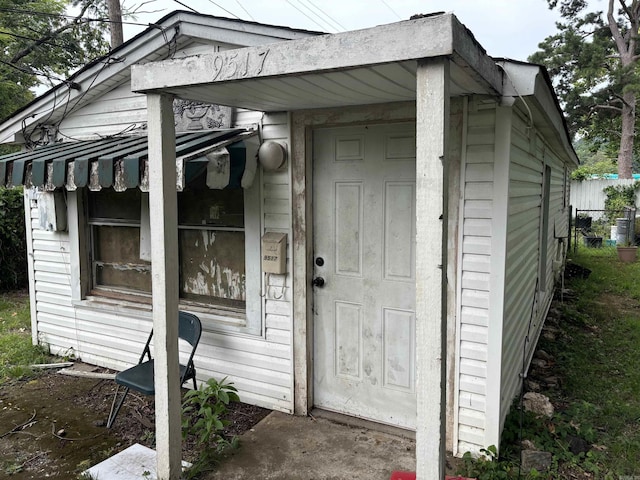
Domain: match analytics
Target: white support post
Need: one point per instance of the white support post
(432, 123)
(163, 208)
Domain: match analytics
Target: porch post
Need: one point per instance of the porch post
(163, 209)
(432, 123)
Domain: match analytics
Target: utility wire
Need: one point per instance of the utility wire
(331, 27)
(336, 22)
(293, 5)
(389, 7)
(186, 6)
(222, 8)
(56, 15)
(245, 10)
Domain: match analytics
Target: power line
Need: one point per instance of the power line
(245, 10)
(186, 6)
(331, 27)
(389, 7)
(60, 15)
(290, 3)
(222, 8)
(326, 15)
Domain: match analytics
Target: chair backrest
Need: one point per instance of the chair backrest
(189, 328)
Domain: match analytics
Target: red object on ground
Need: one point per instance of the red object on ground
(412, 476)
(403, 476)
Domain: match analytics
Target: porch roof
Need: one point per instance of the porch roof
(370, 66)
(118, 162)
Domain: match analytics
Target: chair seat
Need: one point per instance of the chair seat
(140, 377)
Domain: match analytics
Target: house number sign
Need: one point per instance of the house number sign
(234, 65)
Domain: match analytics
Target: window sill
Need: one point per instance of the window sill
(127, 305)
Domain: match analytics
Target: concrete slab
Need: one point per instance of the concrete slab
(137, 461)
(289, 447)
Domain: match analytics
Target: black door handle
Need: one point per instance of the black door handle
(318, 282)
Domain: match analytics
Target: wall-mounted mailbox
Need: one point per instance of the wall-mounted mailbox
(274, 252)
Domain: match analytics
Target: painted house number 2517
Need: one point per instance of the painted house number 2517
(234, 65)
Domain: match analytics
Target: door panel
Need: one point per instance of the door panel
(364, 230)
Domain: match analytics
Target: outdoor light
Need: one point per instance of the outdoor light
(272, 155)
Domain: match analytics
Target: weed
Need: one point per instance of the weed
(202, 416)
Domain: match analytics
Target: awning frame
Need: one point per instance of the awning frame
(121, 162)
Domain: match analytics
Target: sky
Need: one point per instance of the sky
(505, 28)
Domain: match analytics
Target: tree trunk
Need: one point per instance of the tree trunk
(115, 23)
(625, 155)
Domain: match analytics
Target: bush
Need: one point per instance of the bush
(13, 251)
(618, 197)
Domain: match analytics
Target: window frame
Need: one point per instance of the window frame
(214, 318)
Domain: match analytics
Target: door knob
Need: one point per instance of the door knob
(318, 282)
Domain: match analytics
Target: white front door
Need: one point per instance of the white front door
(364, 251)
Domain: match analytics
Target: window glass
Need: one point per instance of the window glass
(109, 204)
(211, 245)
(211, 208)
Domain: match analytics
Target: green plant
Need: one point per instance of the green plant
(597, 169)
(488, 466)
(618, 197)
(204, 408)
(203, 413)
(13, 251)
(16, 349)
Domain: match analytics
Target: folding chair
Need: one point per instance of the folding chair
(140, 377)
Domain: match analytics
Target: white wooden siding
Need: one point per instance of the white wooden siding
(119, 109)
(526, 301)
(113, 336)
(477, 210)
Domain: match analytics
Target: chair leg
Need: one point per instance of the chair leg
(195, 385)
(115, 406)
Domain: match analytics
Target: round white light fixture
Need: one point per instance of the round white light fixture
(272, 155)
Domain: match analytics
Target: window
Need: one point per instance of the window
(211, 247)
(116, 262)
(216, 266)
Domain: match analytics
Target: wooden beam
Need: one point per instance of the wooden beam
(163, 216)
(432, 124)
(396, 42)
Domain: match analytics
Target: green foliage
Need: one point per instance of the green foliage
(487, 466)
(596, 357)
(618, 197)
(40, 43)
(596, 84)
(16, 349)
(203, 413)
(13, 252)
(584, 172)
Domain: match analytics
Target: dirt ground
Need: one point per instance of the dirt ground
(53, 426)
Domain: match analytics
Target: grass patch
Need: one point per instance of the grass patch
(599, 356)
(16, 349)
(596, 353)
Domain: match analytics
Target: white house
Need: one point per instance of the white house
(417, 186)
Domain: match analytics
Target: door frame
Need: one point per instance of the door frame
(302, 125)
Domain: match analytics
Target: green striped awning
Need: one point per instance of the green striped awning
(119, 162)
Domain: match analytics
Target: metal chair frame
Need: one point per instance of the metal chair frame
(140, 377)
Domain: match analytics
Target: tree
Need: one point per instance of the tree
(593, 61)
(41, 43)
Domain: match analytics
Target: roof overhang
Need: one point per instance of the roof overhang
(374, 65)
(223, 158)
(530, 84)
(160, 41)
